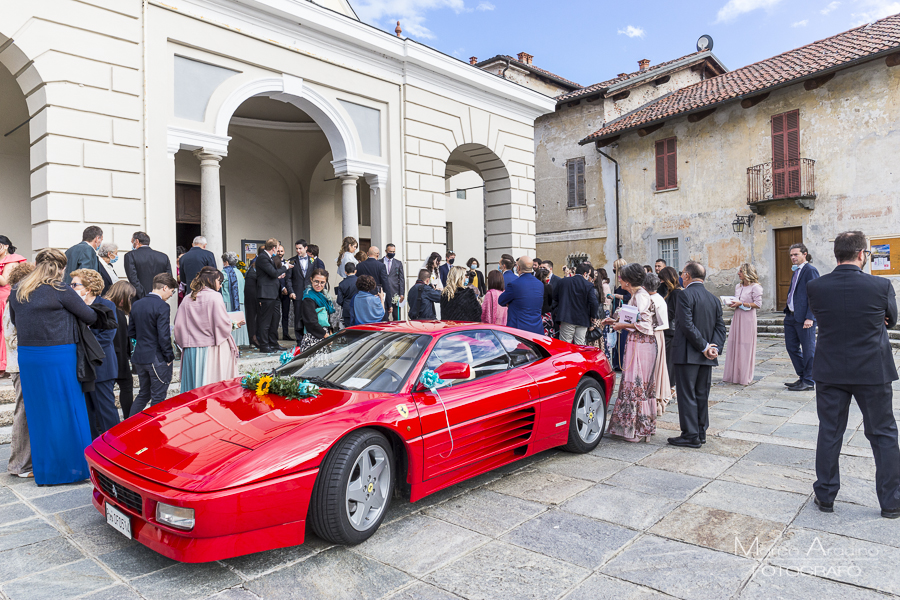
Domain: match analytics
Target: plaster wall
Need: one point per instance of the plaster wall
(15, 195)
(849, 127)
(647, 92)
(526, 78)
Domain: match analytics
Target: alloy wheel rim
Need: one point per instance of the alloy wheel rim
(589, 415)
(367, 489)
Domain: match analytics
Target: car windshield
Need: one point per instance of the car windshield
(353, 359)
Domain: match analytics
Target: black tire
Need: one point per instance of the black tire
(329, 512)
(576, 442)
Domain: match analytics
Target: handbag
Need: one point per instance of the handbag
(322, 314)
(593, 335)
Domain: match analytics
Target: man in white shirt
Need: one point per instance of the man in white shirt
(799, 321)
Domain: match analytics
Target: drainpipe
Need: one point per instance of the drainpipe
(618, 243)
(505, 69)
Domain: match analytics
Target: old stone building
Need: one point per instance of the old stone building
(737, 166)
(243, 121)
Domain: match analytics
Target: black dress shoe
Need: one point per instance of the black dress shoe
(287, 338)
(828, 507)
(891, 514)
(683, 442)
(803, 387)
(795, 383)
(703, 440)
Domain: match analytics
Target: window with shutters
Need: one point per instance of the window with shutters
(668, 251)
(786, 154)
(666, 164)
(575, 182)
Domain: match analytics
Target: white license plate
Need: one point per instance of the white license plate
(119, 520)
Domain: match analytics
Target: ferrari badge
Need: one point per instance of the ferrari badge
(404, 412)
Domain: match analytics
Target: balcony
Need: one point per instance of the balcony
(785, 180)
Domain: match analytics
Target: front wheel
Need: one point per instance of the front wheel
(353, 489)
(588, 419)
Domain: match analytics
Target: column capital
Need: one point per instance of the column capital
(206, 157)
(349, 178)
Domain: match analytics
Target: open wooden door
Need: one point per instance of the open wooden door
(783, 240)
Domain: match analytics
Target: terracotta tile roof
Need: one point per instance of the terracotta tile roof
(603, 85)
(861, 43)
(513, 60)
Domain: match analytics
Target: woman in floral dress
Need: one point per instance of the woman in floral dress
(634, 414)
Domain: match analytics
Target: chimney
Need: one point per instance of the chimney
(526, 58)
(643, 64)
(473, 60)
(398, 30)
(621, 74)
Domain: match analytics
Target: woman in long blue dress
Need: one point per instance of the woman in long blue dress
(44, 311)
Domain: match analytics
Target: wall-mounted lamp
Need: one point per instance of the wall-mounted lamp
(739, 222)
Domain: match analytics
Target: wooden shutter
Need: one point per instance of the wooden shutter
(671, 164)
(661, 165)
(571, 182)
(786, 154)
(579, 182)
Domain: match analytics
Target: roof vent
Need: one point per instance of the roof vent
(473, 60)
(526, 58)
(643, 64)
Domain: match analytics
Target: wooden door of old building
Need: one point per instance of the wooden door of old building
(783, 240)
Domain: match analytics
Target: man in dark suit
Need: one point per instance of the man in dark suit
(84, 254)
(422, 298)
(524, 299)
(554, 279)
(346, 291)
(152, 359)
(799, 321)
(444, 269)
(374, 268)
(699, 333)
(854, 311)
(268, 286)
(286, 298)
(195, 259)
(144, 263)
(575, 304)
(395, 283)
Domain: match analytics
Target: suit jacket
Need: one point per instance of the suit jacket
(268, 287)
(346, 290)
(142, 265)
(395, 281)
(574, 301)
(107, 280)
(149, 325)
(509, 277)
(109, 369)
(443, 271)
(554, 281)
(698, 322)
(297, 280)
(374, 268)
(853, 346)
(422, 308)
(801, 300)
(193, 260)
(524, 298)
(81, 256)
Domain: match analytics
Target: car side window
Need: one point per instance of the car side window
(479, 349)
(522, 352)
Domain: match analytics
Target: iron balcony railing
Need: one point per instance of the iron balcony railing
(794, 178)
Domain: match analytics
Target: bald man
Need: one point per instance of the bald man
(374, 268)
(524, 298)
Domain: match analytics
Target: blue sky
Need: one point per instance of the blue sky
(588, 41)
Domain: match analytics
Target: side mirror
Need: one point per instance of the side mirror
(454, 370)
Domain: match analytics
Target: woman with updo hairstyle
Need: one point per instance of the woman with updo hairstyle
(367, 307)
(740, 357)
(315, 311)
(203, 330)
(634, 415)
(8, 261)
(45, 312)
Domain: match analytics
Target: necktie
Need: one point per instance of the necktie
(790, 297)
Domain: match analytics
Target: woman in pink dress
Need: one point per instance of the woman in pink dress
(491, 311)
(740, 355)
(8, 261)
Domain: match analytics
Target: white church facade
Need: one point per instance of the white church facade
(247, 119)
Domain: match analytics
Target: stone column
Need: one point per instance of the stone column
(210, 202)
(349, 210)
(378, 209)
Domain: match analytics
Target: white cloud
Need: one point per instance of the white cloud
(735, 8)
(410, 13)
(632, 31)
(485, 6)
(830, 8)
(800, 23)
(875, 9)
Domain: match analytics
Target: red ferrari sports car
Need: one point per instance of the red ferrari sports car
(222, 471)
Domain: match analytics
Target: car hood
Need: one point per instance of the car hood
(194, 435)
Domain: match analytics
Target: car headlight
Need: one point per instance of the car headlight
(175, 516)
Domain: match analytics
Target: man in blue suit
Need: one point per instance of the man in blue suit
(799, 321)
(508, 268)
(153, 355)
(524, 298)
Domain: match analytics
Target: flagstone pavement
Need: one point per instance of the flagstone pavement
(734, 519)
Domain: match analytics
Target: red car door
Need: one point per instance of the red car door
(492, 413)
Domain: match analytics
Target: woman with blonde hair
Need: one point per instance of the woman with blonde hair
(347, 255)
(45, 313)
(459, 302)
(203, 329)
(740, 357)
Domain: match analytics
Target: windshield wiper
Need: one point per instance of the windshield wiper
(322, 382)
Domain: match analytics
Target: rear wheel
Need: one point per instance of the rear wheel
(588, 420)
(353, 489)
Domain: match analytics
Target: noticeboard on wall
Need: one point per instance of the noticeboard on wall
(885, 256)
(250, 248)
